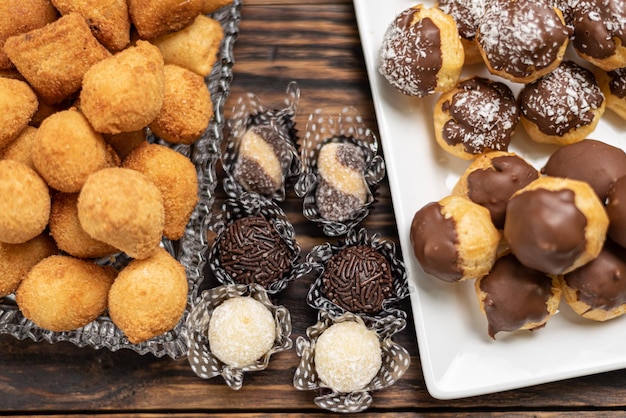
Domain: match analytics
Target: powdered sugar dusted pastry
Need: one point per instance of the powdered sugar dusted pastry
(562, 107)
(522, 40)
(421, 52)
(466, 14)
(475, 117)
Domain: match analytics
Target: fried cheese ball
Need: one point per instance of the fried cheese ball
(158, 17)
(68, 233)
(16, 260)
(175, 176)
(20, 149)
(122, 208)
(124, 142)
(149, 296)
(63, 293)
(109, 19)
(187, 107)
(124, 93)
(25, 203)
(21, 16)
(54, 58)
(194, 47)
(67, 150)
(209, 6)
(18, 104)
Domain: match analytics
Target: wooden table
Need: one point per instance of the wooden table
(317, 44)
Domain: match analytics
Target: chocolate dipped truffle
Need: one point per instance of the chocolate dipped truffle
(600, 32)
(590, 160)
(251, 251)
(563, 106)
(358, 279)
(477, 116)
(492, 178)
(515, 297)
(342, 189)
(613, 85)
(522, 40)
(421, 52)
(466, 14)
(454, 239)
(597, 290)
(555, 225)
(616, 211)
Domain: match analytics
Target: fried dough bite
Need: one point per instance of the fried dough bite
(54, 58)
(149, 296)
(209, 6)
(16, 260)
(124, 142)
(63, 293)
(123, 208)
(194, 47)
(187, 107)
(21, 16)
(175, 176)
(24, 203)
(67, 150)
(68, 233)
(153, 18)
(124, 93)
(20, 149)
(108, 19)
(18, 104)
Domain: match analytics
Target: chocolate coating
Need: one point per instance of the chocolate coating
(358, 279)
(493, 187)
(563, 100)
(521, 37)
(483, 116)
(616, 211)
(434, 240)
(601, 283)
(617, 85)
(466, 14)
(595, 162)
(251, 251)
(597, 26)
(333, 204)
(410, 55)
(515, 295)
(545, 229)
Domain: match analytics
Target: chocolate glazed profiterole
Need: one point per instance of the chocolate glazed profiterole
(613, 85)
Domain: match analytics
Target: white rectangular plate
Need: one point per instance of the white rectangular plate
(458, 357)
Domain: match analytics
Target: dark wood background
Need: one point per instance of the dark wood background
(317, 44)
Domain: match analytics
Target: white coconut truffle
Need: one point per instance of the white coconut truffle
(347, 356)
(241, 330)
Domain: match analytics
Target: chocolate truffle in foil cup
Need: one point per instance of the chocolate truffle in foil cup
(361, 275)
(255, 243)
(260, 153)
(346, 360)
(233, 340)
(340, 169)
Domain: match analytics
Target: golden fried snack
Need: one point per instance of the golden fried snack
(194, 47)
(68, 233)
(149, 296)
(124, 142)
(187, 108)
(54, 58)
(25, 203)
(63, 293)
(209, 6)
(123, 208)
(108, 19)
(16, 260)
(175, 176)
(158, 17)
(18, 104)
(21, 16)
(20, 148)
(124, 93)
(45, 109)
(67, 150)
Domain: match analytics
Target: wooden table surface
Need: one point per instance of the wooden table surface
(317, 44)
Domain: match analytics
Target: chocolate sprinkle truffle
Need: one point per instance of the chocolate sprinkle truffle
(251, 251)
(358, 279)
